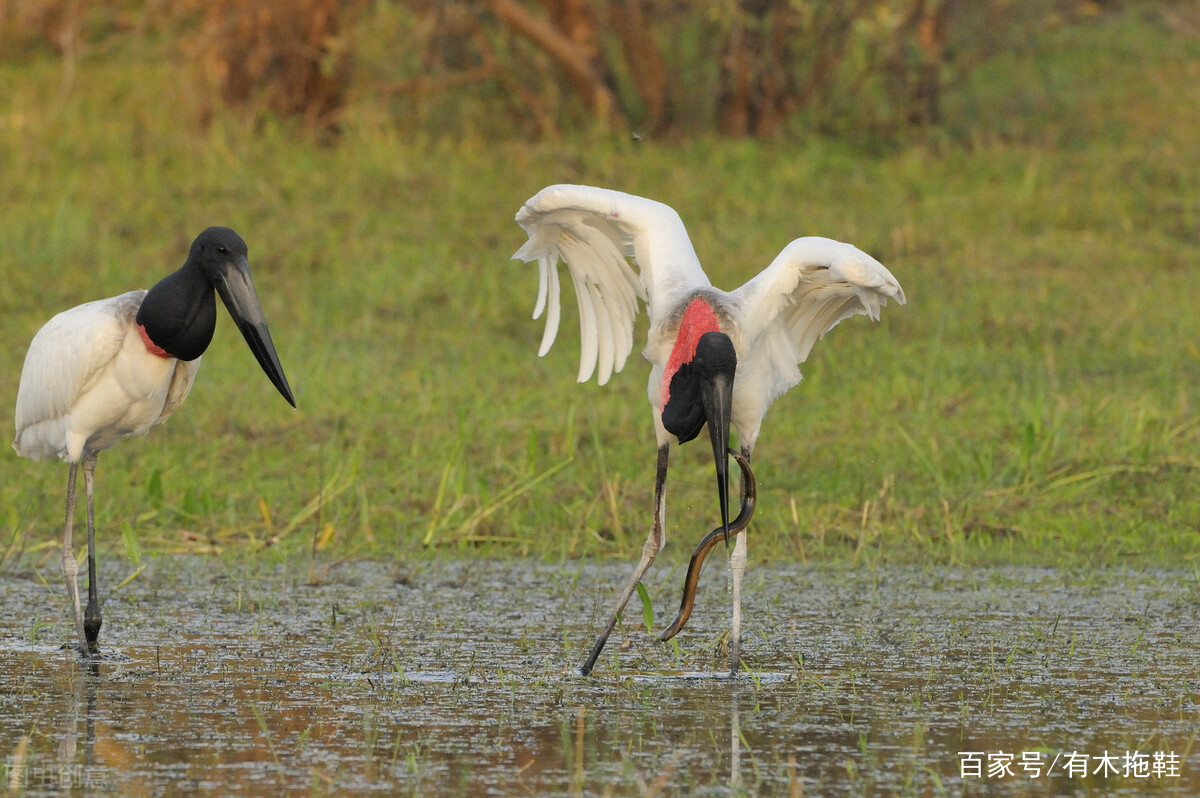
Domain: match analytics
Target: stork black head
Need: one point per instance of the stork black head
(701, 392)
(179, 313)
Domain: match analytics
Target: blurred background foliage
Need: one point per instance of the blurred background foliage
(873, 71)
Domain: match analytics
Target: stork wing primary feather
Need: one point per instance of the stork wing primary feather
(594, 231)
(812, 285)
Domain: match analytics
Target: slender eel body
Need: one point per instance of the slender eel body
(749, 496)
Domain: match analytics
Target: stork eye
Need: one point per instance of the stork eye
(222, 250)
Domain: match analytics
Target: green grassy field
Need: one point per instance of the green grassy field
(1034, 402)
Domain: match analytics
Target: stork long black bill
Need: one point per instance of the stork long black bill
(717, 396)
(702, 392)
(178, 315)
(236, 289)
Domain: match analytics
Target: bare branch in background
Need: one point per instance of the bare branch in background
(632, 24)
(568, 38)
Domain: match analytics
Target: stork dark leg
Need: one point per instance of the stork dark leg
(737, 569)
(70, 569)
(91, 616)
(650, 550)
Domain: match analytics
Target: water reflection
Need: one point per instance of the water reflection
(215, 684)
(735, 744)
(85, 687)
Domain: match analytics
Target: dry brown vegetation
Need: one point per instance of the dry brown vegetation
(664, 67)
(287, 56)
(540, 68)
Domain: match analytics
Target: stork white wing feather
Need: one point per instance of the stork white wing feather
(812, 285)
(593, 231)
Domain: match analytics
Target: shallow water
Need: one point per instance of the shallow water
(460, 678)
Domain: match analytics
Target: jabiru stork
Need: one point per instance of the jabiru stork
(699, 336)
(110, 369)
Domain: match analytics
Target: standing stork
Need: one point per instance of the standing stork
(113, 368)
(699, 335)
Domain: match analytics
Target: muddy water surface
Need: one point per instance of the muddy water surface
(460, 678)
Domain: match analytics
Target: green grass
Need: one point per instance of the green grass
(1034, 402)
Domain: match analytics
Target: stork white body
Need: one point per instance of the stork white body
(110, 388)
(106, 370)
(773, 320)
